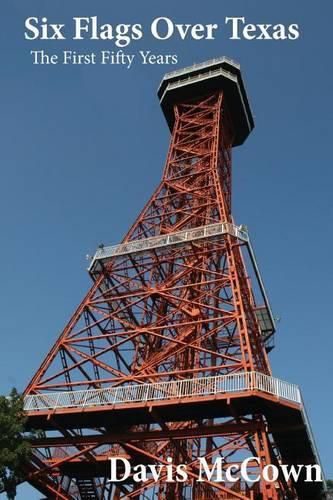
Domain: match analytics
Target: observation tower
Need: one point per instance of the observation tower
(166, 357)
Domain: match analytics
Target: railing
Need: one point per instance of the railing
(176, 238)
(180, 237)
(313, 442)
(202, 65)
(174, 389)
(201, 76)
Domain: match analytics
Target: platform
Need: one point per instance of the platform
(163, 391)
(200, 398)
(105, 254)
(204, 78)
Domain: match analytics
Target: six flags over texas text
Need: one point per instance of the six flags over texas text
(161, 28)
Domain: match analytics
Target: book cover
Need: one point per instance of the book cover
(166, 207)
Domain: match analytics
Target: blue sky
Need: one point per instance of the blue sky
(82, 148)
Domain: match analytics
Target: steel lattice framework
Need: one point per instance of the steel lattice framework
(173, 309)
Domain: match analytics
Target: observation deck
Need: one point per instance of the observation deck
(201, 79)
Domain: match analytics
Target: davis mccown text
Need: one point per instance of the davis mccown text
(217, 471)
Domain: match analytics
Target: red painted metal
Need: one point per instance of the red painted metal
(172, 313)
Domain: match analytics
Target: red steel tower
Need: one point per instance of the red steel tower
(165, 360)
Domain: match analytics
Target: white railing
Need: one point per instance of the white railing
(205, 75)
(174, 389)
(176, 238)
(203, 65)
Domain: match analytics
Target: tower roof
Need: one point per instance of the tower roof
(204, 78)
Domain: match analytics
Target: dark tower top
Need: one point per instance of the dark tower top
(205, 78)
